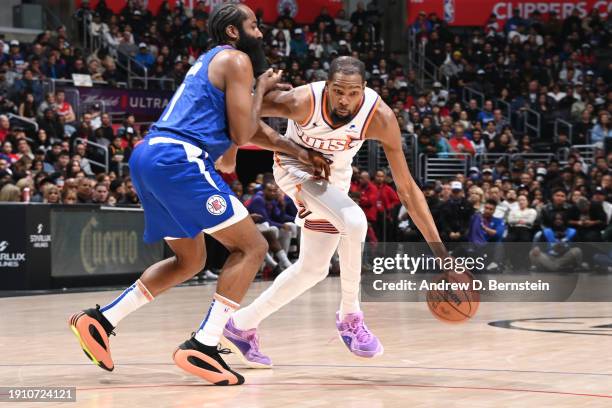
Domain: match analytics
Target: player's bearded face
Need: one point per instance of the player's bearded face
(253, 47)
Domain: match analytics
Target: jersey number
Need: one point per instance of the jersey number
(192, 71)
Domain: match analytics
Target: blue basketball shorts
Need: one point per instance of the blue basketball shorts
(180, 191)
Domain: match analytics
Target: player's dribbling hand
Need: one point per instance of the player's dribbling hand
(269, 80)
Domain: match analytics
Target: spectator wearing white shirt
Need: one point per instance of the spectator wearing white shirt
(509, 204)
(521, 221)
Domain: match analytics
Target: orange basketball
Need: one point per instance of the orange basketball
(454, 305)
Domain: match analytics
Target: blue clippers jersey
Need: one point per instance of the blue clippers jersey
(196, 112)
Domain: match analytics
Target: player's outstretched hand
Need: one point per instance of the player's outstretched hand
(319, 163)
(269, 80)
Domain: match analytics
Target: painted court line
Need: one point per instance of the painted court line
(241, 366)
(361, 385)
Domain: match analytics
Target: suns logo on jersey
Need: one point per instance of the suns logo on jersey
(332, 145)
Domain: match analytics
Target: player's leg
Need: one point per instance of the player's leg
(93, 326)
(199, 355)
(240, 334)
(348, 218)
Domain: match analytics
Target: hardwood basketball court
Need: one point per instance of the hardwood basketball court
(534, 355)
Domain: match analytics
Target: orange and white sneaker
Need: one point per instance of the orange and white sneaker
(92, 330)
(206, 362)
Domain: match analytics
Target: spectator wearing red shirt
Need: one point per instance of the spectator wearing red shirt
(368, 196)
(64, 108)
(387, 197)
(386, 203)
(460, 144)
(5, 127)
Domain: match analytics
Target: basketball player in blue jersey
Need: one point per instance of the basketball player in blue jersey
(173, 171)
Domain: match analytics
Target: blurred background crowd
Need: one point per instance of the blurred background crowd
(476, 109)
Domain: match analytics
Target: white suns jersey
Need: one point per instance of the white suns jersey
(341, 143)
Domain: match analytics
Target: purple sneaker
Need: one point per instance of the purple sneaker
(355, 334)
(244, 343)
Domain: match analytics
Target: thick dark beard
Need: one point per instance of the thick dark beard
(253, 47)
(340, 119)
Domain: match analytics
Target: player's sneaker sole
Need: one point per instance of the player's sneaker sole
(92, 339)
(364, 354)
(202, 365)
(225, 342)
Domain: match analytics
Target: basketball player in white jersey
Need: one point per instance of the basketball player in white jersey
(333, 117)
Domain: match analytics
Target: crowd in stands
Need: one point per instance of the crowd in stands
(560, 69)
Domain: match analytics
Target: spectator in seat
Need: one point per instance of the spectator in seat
(48, 103)
(51, 125)
(116, 153)
(54, 68)
(521, 221)
(486, 114)
(78, 67)
(27, 108)
(582, 129)
(558, 205)
(485, 227)
(62, 163)
(74, 168)
(144, 58)
(84, 190)
(455, 214)
(69, 197)
(129, 122)
(131, 197)
(64, 108)
(603, 128)
(266, 204)
(105, 134)
(7, 151)
(368, 197)
(599, 196)
(588, 219)
(480, 144)
(81, 152)
(51, 194)
(460, 144)
(24, 149)
(386, 206)
(510, 203)
(5, 127)
(100, 194)
(558, 255)
(10, 193)
(325, 18)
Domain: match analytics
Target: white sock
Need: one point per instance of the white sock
(282, 259)
(130, 300)
(316, 250)
(284, 239)
(270, 261)
(221, 309)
